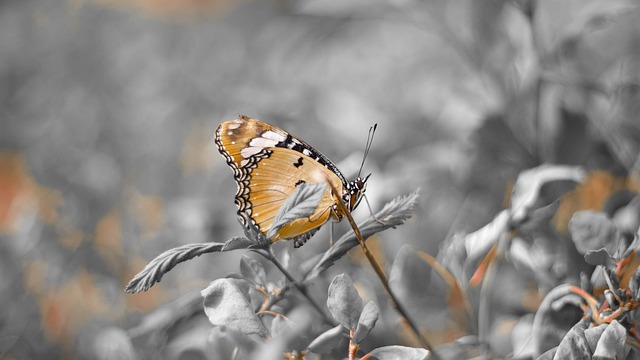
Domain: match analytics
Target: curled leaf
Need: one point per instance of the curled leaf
(227, 306)
(558, 312)
(529, 183)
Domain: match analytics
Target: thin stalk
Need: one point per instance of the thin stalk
(383, 278)
(269, 255)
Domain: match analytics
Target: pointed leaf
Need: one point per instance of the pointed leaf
(253, 270)
(302, 203)
(367, 321)
(163, 263)
(399, 353)
(394, 213)
(344, 302)
(226, 306)
(328, 340)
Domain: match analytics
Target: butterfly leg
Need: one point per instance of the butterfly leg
(371, 211)
(331, 234)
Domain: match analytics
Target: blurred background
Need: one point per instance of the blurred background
(108, 107)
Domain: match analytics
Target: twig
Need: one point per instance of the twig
(269, 255)
(383, 278)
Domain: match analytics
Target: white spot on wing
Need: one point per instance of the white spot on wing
(229, 133)
(233, 142)
(250, 151)
(263, 142)
(306, 152)
(273, 136)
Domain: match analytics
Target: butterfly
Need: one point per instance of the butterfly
(268, 164)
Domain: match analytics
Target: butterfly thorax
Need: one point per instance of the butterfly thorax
(354, 191)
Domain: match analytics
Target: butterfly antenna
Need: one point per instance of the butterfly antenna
(367, 147)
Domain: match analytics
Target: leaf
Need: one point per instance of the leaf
(558, 312)
(226, 306)
(593, 334)
(480, 241)
(367, 321)
(302, 203)
(344, 302)
(481, 271)
(559, 25)
(612, 342)
(328, 340)
(521, 337)
(600, 257)
(410, 277)
(394, 213)
(253, 270)
(396, 352)
(574, 346)
(237, 243)
(253, 233)
(456, 298)
(592, 230)
(529, 183)
(162, 264)
(592, 193)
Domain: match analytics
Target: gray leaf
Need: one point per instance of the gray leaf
(344, 302)
(302, 203)
(226, 306)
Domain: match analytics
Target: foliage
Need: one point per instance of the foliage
(518, 121)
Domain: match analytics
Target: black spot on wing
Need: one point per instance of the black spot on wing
(300, 182)
(290, 142)
(298, 163)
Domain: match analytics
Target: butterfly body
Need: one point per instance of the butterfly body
(268, 163)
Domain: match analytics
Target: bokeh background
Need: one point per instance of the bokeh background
(108, 107)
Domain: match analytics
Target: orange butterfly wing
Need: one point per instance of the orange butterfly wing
(268, 164)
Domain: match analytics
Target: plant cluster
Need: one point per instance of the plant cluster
(590, 277)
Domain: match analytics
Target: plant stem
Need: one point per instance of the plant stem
(383, 278)
(269, 255)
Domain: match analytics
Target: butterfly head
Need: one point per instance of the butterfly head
(355, 190)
